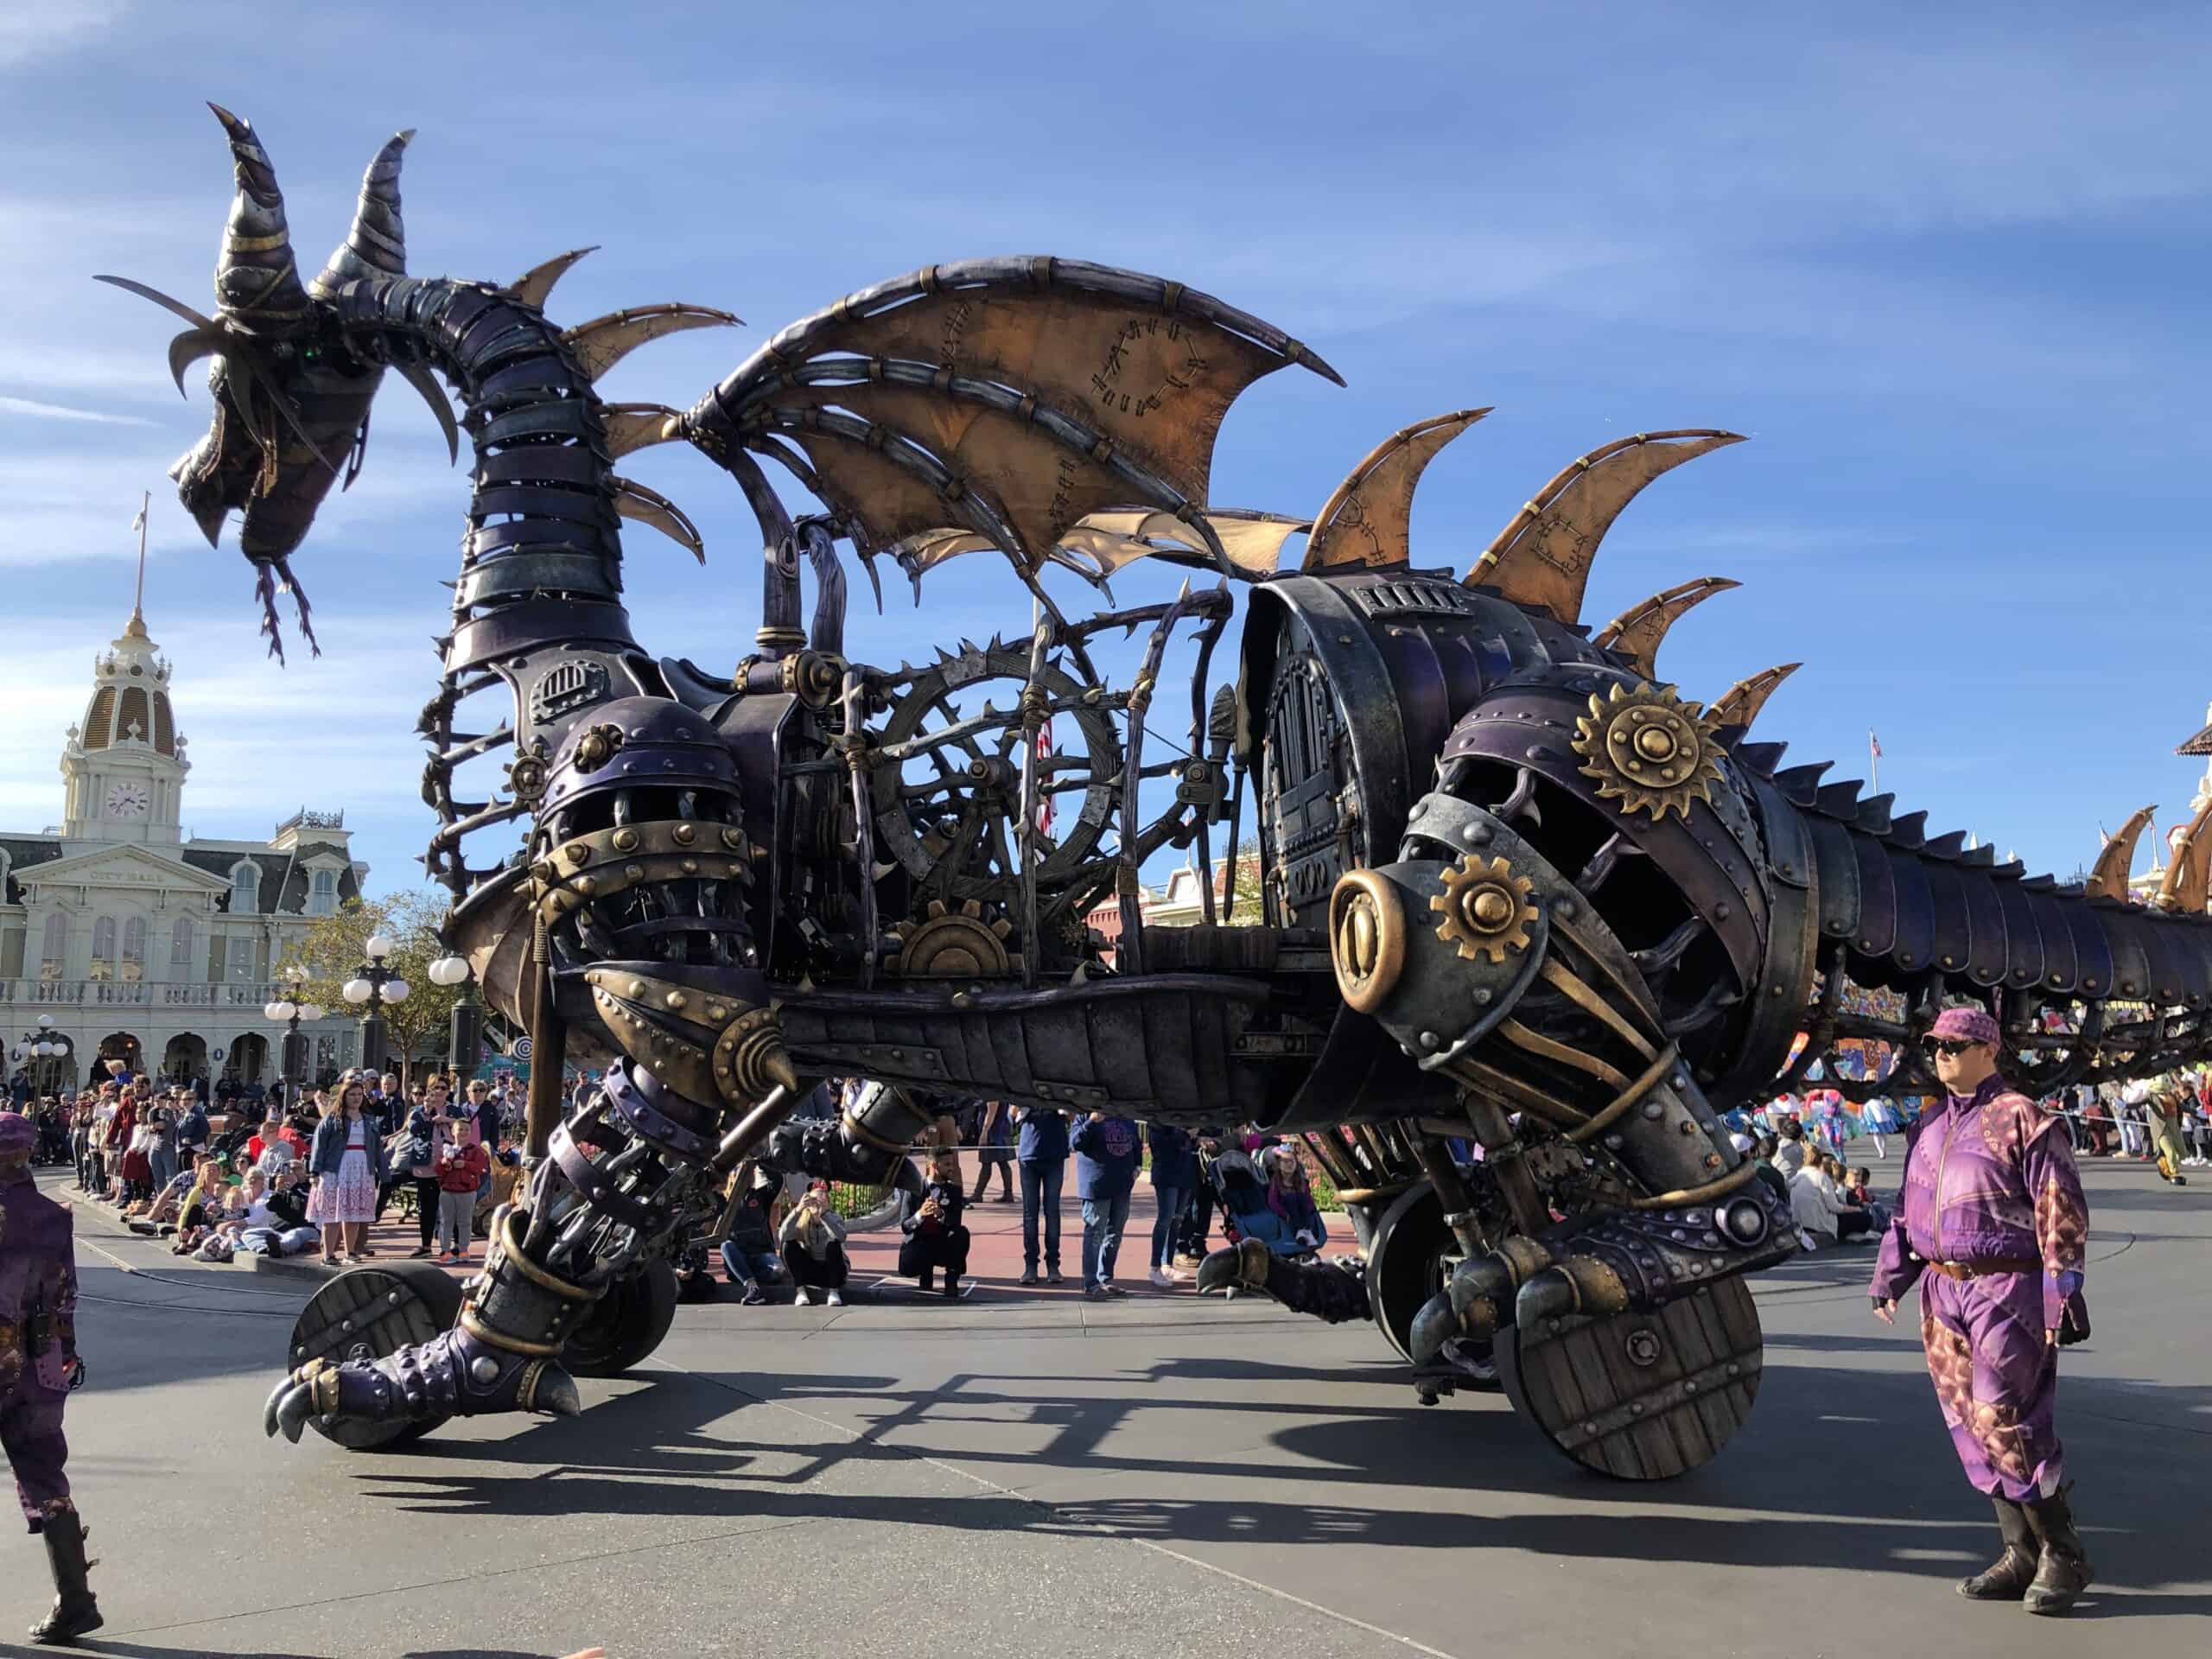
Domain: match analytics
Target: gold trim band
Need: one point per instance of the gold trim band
(484, 1333)
(1628, 1098)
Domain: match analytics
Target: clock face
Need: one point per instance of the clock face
(127, 800)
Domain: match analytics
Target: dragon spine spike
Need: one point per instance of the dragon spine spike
(604, 341)
(634, 500)
(1638, 633)
(1740, 703)
(534, 285)
(376, 242)
(1367, 520)
(257, 278)
(174, 306)
(632, 427)
(1542, 557)
(190, 347)
(2188, 883)
(419, 377)
(2108, 878)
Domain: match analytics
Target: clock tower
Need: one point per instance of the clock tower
(123, 766)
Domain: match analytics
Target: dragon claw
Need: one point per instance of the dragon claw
(1242, 1266)
(291, 1410)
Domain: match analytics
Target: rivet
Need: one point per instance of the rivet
(732, 837)
(675, 999)
(715, 1011)
(690, 867)
(633, 872)
(683, 835)
(1721, 913)
(625, 841)
(637, 988)
(587, 886)
(1482, 997)
(576, 853)
(1654, 1110)
(1428, 1039)
(1635, 1409)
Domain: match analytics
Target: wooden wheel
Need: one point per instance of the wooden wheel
(371, 1313)
(1640, 1396)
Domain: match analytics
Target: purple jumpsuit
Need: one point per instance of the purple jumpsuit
(38, 1271)
(1990, 1179)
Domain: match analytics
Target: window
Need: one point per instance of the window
(134, 949)
(246, 889)
(54, 946)
(242, 956)
(103, 964)
(322, 897)
(181, 967)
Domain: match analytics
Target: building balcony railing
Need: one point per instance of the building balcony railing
(239, 996)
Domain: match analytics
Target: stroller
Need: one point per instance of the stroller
(1241, 1192)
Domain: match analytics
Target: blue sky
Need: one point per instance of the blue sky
(1945, 270)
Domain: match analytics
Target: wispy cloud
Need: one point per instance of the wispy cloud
(27, 35)
(63, 412)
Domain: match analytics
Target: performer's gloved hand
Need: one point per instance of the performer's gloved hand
(1886, 1310)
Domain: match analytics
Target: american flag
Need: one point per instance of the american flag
(1044, 778)
(1874, 746)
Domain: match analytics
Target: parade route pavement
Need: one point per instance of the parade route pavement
(1158, 1476)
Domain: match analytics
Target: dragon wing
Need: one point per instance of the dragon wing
(1008, 399)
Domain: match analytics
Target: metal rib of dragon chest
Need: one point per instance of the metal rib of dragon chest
(1515, 895)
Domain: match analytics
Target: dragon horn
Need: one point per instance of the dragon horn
(257, 279)
(376, 243)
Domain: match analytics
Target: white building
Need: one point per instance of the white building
(137, 944)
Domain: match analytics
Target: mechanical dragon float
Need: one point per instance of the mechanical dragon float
(1517, 891)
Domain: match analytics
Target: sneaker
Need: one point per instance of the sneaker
(1113, 1290)
(836, 1299)
(803, 1297)
(753, 1297)
(1052, 1277)
(1094, 1293)
(1029, 1276)
(419, 1254)
(1160, 1280)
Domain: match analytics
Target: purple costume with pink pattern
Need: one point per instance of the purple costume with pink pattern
(1990, 1185)
(38, 1306)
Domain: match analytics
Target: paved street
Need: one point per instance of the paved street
(1157, 1476)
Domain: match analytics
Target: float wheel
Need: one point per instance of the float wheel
(371, 1313)
(1640, 1396)
(625, 1324)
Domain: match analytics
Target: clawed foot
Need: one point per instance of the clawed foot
(1242, 1266)
(1328, 1291)
(453, 1374)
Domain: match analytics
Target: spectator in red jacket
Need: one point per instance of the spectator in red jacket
(462, 1168)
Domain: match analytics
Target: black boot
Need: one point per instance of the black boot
(2063, 1572)
(952, 1285)
(75, 1613)
(2008, 1579)
(929, 1279)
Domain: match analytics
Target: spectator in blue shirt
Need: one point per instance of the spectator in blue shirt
(1174, 1173)
(1041, 1154)
(1106, 1156)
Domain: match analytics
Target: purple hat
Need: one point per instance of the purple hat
(17, 1132)
(1967, 1025)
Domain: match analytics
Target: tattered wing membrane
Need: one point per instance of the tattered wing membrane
(1149, 368)
(1542, 557)
(1039, 485)
(1368, 521)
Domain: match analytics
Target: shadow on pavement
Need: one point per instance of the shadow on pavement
(650, 1453)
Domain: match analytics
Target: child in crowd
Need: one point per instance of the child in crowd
(1291, 1197)
(461, 1166)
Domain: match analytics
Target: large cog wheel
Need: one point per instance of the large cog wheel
(1486, 909)
(948, 805)
(1649, 750)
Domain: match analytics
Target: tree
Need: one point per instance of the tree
(334, 948)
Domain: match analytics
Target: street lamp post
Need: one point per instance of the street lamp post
(375, 985)
(465, 1048)
(45, 1047)
(291, 1009)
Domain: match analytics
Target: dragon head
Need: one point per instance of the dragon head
(291, 388)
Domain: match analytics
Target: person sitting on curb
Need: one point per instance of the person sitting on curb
(935, 1237)
(748, 1241)
(813, 1238)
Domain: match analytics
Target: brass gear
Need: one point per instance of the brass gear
(1649, 750)
(948, 943)
(1484, 908)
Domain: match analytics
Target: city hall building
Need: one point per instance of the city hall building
(137, 944)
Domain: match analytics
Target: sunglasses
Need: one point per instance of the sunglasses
(1950, 1048)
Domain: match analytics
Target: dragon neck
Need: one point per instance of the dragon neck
(542, 558)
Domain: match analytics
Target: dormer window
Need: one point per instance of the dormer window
(246, 889)
(322, 893)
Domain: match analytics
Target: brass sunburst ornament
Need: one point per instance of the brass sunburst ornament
(1649, 749)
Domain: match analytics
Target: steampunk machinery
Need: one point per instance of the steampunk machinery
(1518, 893)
